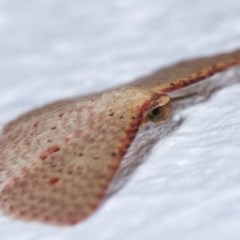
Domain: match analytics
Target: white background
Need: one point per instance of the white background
(187, 185)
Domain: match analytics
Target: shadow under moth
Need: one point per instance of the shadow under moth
(57, 161)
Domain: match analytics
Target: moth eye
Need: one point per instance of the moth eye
(155, 114)
(159, 113)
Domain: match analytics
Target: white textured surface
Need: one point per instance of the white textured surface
(188, 186)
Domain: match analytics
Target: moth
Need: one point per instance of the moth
(57, 161)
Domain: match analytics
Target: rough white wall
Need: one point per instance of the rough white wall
(188, 185)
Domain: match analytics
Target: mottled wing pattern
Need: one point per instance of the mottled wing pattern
(42, 110)
(56, 167)
(57, 161)
(187, 72)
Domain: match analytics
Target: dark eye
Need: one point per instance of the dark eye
(159, 114)
(155, 114)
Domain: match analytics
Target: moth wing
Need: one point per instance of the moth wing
(63, 181)
(42, 110)
(188, 72)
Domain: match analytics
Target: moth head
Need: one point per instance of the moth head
(160, 110)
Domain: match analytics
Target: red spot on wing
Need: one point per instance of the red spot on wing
(49, 151)
(53, 181)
